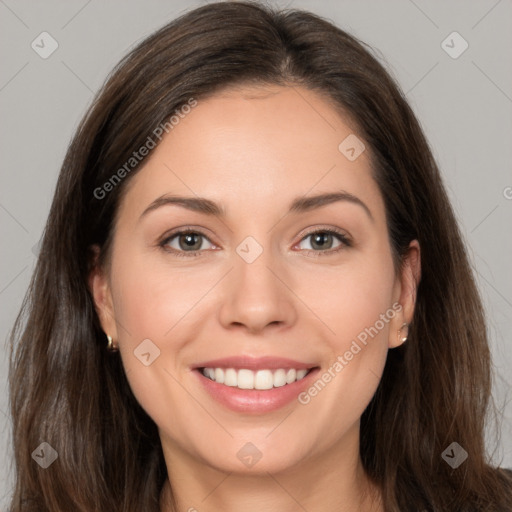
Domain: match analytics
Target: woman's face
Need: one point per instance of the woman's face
(268, 284)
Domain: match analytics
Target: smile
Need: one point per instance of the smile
(249, 379)
(255, 392)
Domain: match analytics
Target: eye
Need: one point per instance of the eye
(322, 241)
(188, 242)
(185, 243)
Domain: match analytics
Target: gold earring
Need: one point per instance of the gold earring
(404, 339)
(110, 346)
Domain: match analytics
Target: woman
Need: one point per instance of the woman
(252, 292)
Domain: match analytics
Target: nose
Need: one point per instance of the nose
(257, 296)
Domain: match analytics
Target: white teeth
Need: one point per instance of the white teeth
(291, 376)
(245, 379)
(219, 375)
(301, 374)
(279, 378)
(229, 377)
(261, 379)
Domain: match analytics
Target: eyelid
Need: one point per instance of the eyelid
(325, 229)
(342, 236)
(166, 238)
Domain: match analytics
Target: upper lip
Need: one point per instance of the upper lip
(254, 363)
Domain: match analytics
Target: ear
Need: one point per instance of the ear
(405, 292)
(99, 287)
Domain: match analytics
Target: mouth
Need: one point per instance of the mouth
(255, 386)
(249, 379)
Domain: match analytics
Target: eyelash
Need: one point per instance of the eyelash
(345, 242)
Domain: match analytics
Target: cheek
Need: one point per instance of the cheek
(151, 299)
(355, 296)
(160, 304)
(358, 307)
(163, 304)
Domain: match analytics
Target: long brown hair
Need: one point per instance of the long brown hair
(68, 391)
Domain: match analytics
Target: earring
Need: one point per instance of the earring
(110, 346)
(403, 339)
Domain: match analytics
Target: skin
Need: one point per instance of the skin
(254, 150)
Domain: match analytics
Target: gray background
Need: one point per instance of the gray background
(463, 104)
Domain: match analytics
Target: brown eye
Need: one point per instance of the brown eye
(325, 241)
(191, 241)
(185, 242)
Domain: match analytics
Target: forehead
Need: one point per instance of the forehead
(255, 147)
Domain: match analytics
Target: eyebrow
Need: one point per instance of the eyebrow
(298, 205)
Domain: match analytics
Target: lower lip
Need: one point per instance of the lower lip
(255, 401)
